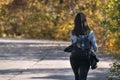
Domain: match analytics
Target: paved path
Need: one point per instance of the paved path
(30, 60)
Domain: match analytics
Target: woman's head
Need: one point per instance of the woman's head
(80, 25)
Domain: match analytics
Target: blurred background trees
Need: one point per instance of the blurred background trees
(53, 19)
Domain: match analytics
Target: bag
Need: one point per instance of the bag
(68, 49)
(82, 46)
(93, 60)
(83, 42)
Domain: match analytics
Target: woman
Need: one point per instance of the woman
(80, 66)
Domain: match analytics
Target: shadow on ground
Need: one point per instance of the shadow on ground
(58, 74)
(31, 52)
(34, 52)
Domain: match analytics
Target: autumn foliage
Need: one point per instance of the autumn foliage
(53, 19)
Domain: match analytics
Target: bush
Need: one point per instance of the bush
(115, 70)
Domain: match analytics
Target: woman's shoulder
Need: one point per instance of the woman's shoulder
(91, 35)
(71, 33)
(91, 32)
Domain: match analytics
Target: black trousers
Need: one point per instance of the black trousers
(80, 68)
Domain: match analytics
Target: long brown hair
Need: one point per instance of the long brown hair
(80, 25)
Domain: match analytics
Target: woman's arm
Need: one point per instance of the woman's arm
(93, 41)
(73, 38)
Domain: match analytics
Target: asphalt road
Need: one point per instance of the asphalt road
(27, 59)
